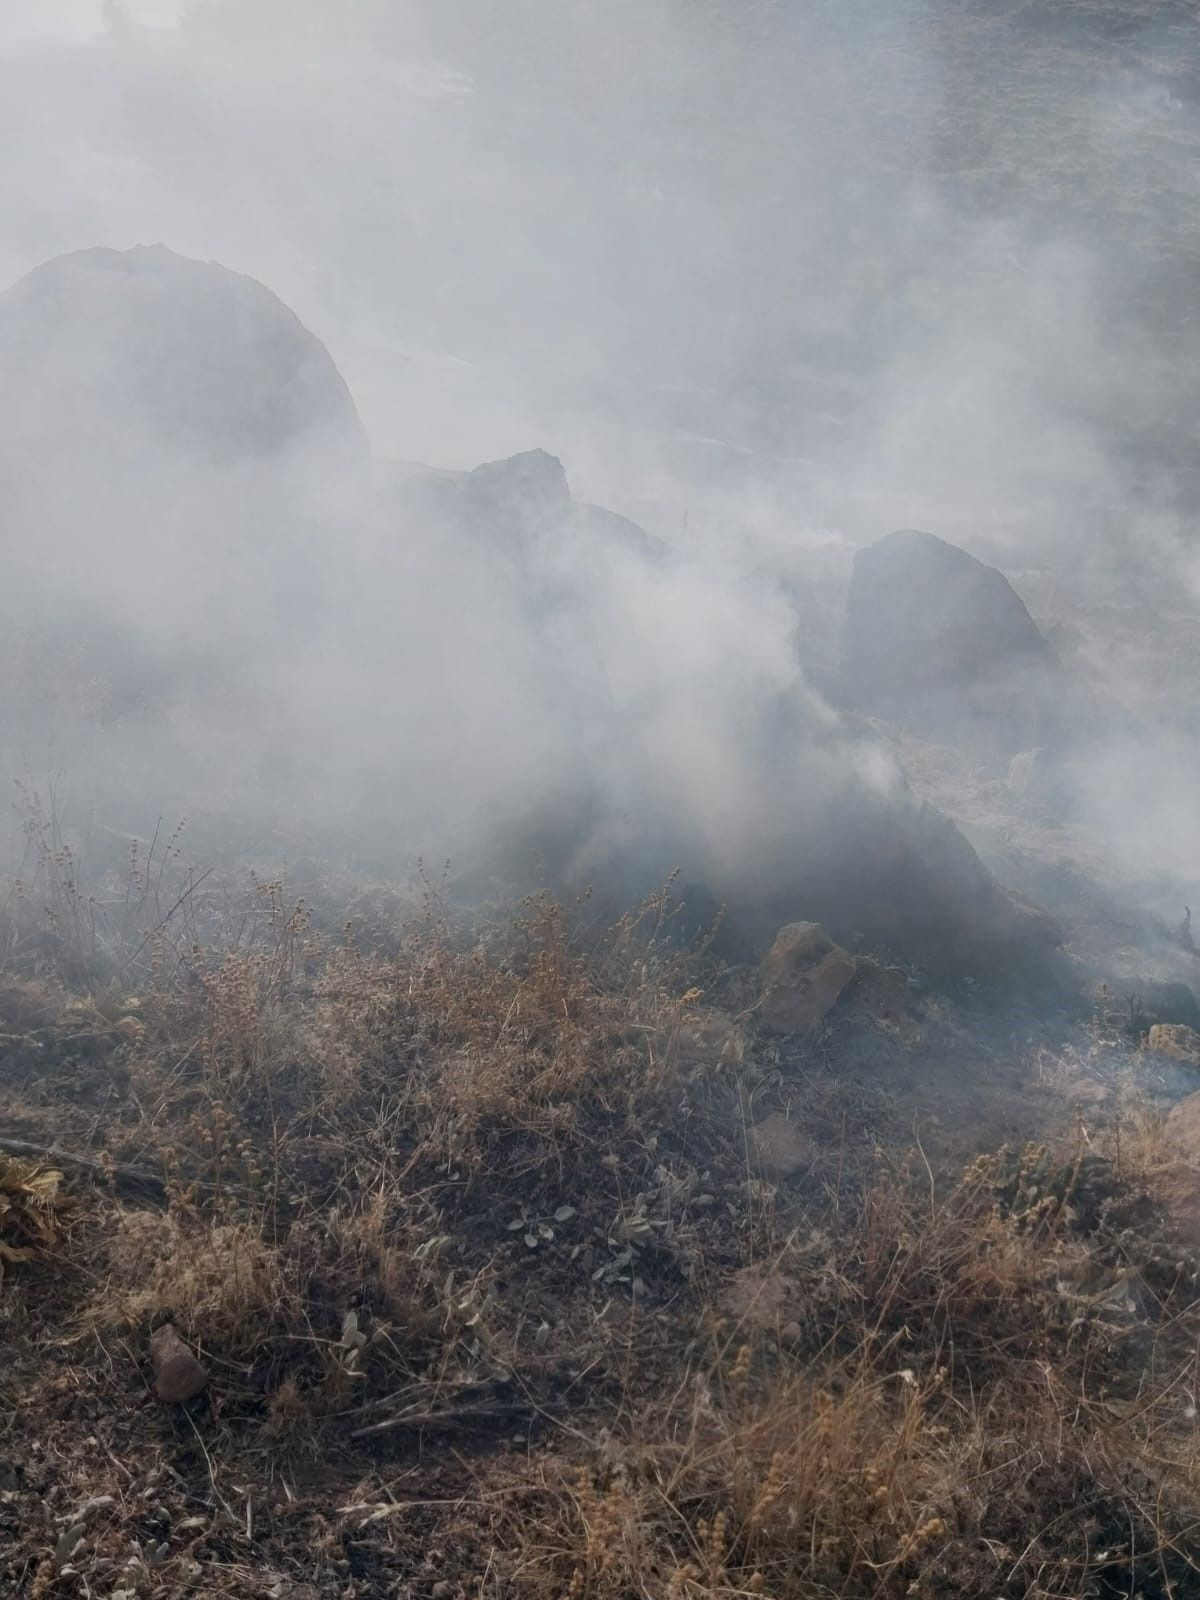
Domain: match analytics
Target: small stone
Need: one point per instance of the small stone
(779, 1149)
(178, 1376)
(1176, 1040)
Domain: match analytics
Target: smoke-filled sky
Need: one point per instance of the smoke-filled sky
(772, 278)
(934, 249)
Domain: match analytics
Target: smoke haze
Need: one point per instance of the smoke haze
(770, 280)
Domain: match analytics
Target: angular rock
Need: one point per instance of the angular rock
(804, 974)
(178, 1376)
(1175, 1040)
(779, 1149)
(518, 497)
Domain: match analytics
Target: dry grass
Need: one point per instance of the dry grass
(32, 1211)
(221, 1284)
(968, 1411)
(485, 1177)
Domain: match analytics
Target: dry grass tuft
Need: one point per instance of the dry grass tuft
(221, 1284)
(481, 1179)
(33, 1213)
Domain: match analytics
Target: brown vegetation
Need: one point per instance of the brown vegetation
(460, 1220)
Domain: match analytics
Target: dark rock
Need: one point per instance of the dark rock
(897, 877)
(520, 497)
(522, 503)
(941, 642)
(122, 355)
(178, 1376)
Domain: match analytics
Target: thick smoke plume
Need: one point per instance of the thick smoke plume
(769, 280)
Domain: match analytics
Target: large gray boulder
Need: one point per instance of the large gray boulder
(126, 356)
(179, 457)
(942, 643)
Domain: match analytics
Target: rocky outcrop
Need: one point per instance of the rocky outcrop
(519, 498)
(805, 975)
(893, 875)
(125, 355)
(521, 504)
(942, 643)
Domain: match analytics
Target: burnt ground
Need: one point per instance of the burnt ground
(495, 1290)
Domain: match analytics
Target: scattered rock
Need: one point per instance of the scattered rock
(779, 1149)
(178, 1376)
(804, 974)
(519, 497)
(1175, 1040)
